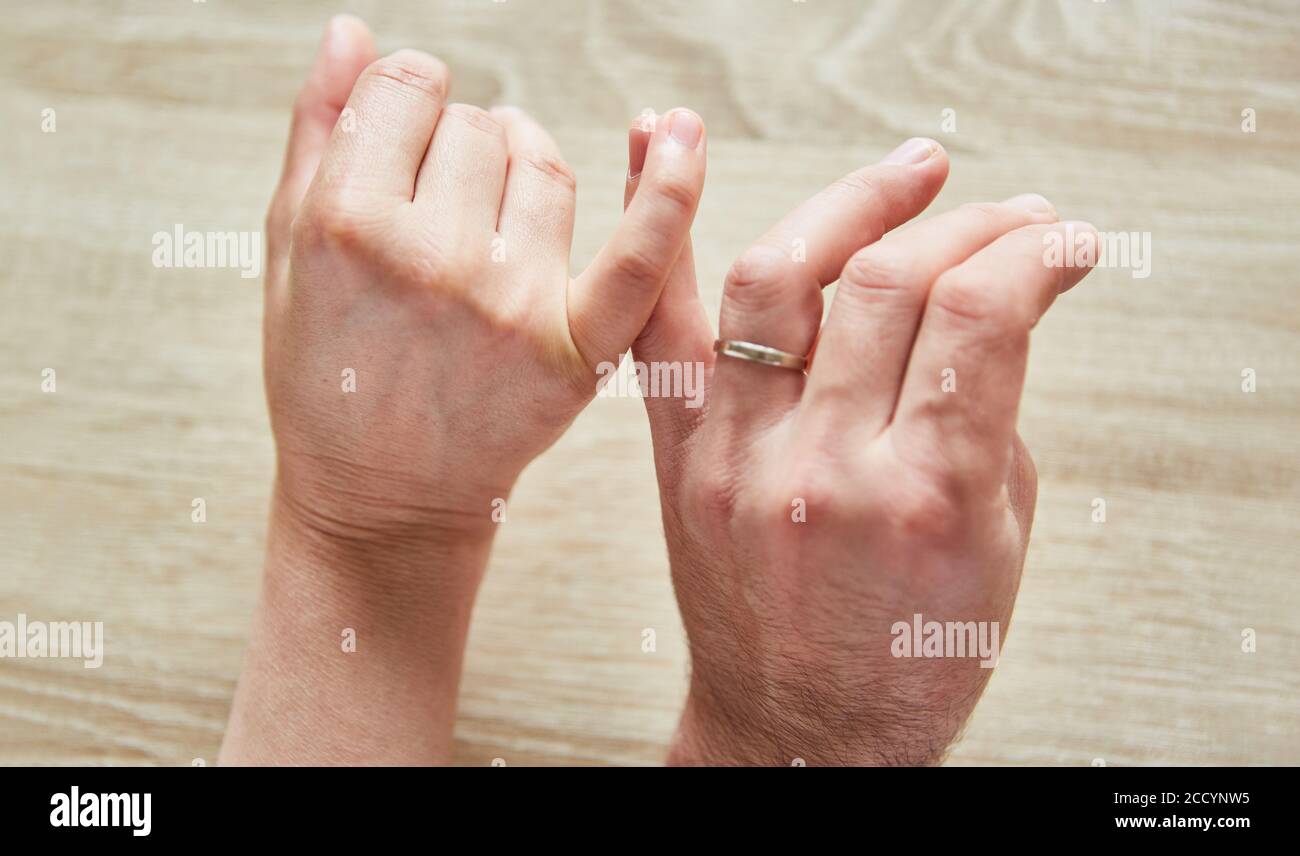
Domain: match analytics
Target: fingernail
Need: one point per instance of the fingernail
(334, 28)
(1032, 202)
(915, 150)
(685, 127)
(330, 40)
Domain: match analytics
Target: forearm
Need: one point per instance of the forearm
(356, 648)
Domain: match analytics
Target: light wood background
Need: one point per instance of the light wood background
(1127, 637)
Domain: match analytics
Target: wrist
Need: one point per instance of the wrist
(736, 726)
(357, 509)
(387, 542)
(357, 642)
(714, 734)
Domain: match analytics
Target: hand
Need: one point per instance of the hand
(810, 517)
(430, 255)
(423, 342)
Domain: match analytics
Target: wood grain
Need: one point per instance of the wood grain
(1127, 638)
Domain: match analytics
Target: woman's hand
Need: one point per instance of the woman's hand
(810, 517)
(428, 266)
(423, 342)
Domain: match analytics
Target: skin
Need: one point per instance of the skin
(424, 245)
(913, 499)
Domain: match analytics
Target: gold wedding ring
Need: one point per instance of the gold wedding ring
(761, 354)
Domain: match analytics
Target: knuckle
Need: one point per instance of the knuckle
(814, 488)
(330, 218)
(551, 167)
(865, 184)
(759, 267)
(878, 269)
(924, 511)
(679, 194)
(860, 183)
(977, 300)
(634, 265)
(413, 71)
(764, 279)
(988, 211)
(711, 494)
(476, 118)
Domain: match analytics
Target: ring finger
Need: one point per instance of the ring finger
(772, 295)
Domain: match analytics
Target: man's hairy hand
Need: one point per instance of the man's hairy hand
(808, 515)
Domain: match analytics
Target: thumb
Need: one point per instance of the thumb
(611, 301)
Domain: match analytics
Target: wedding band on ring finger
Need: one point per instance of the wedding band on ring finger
(761, 354)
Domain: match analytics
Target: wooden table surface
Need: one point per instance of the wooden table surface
(1127, 645)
